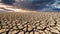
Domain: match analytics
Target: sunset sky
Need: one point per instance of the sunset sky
(40, 5)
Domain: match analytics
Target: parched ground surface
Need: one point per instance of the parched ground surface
(29, 23)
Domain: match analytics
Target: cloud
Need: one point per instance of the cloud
(43, 5)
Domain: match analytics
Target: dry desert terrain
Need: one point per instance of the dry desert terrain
(19, 21)
(29, 22)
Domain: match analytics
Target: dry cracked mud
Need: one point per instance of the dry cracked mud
(29, 23)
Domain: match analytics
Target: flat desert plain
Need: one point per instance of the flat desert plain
(29, 22)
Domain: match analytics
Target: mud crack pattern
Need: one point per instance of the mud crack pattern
(29, 23)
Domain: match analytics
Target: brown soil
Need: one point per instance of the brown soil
(29, 23)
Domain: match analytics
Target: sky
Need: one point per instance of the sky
(39, 5)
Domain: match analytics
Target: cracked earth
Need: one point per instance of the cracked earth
(29, 23)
